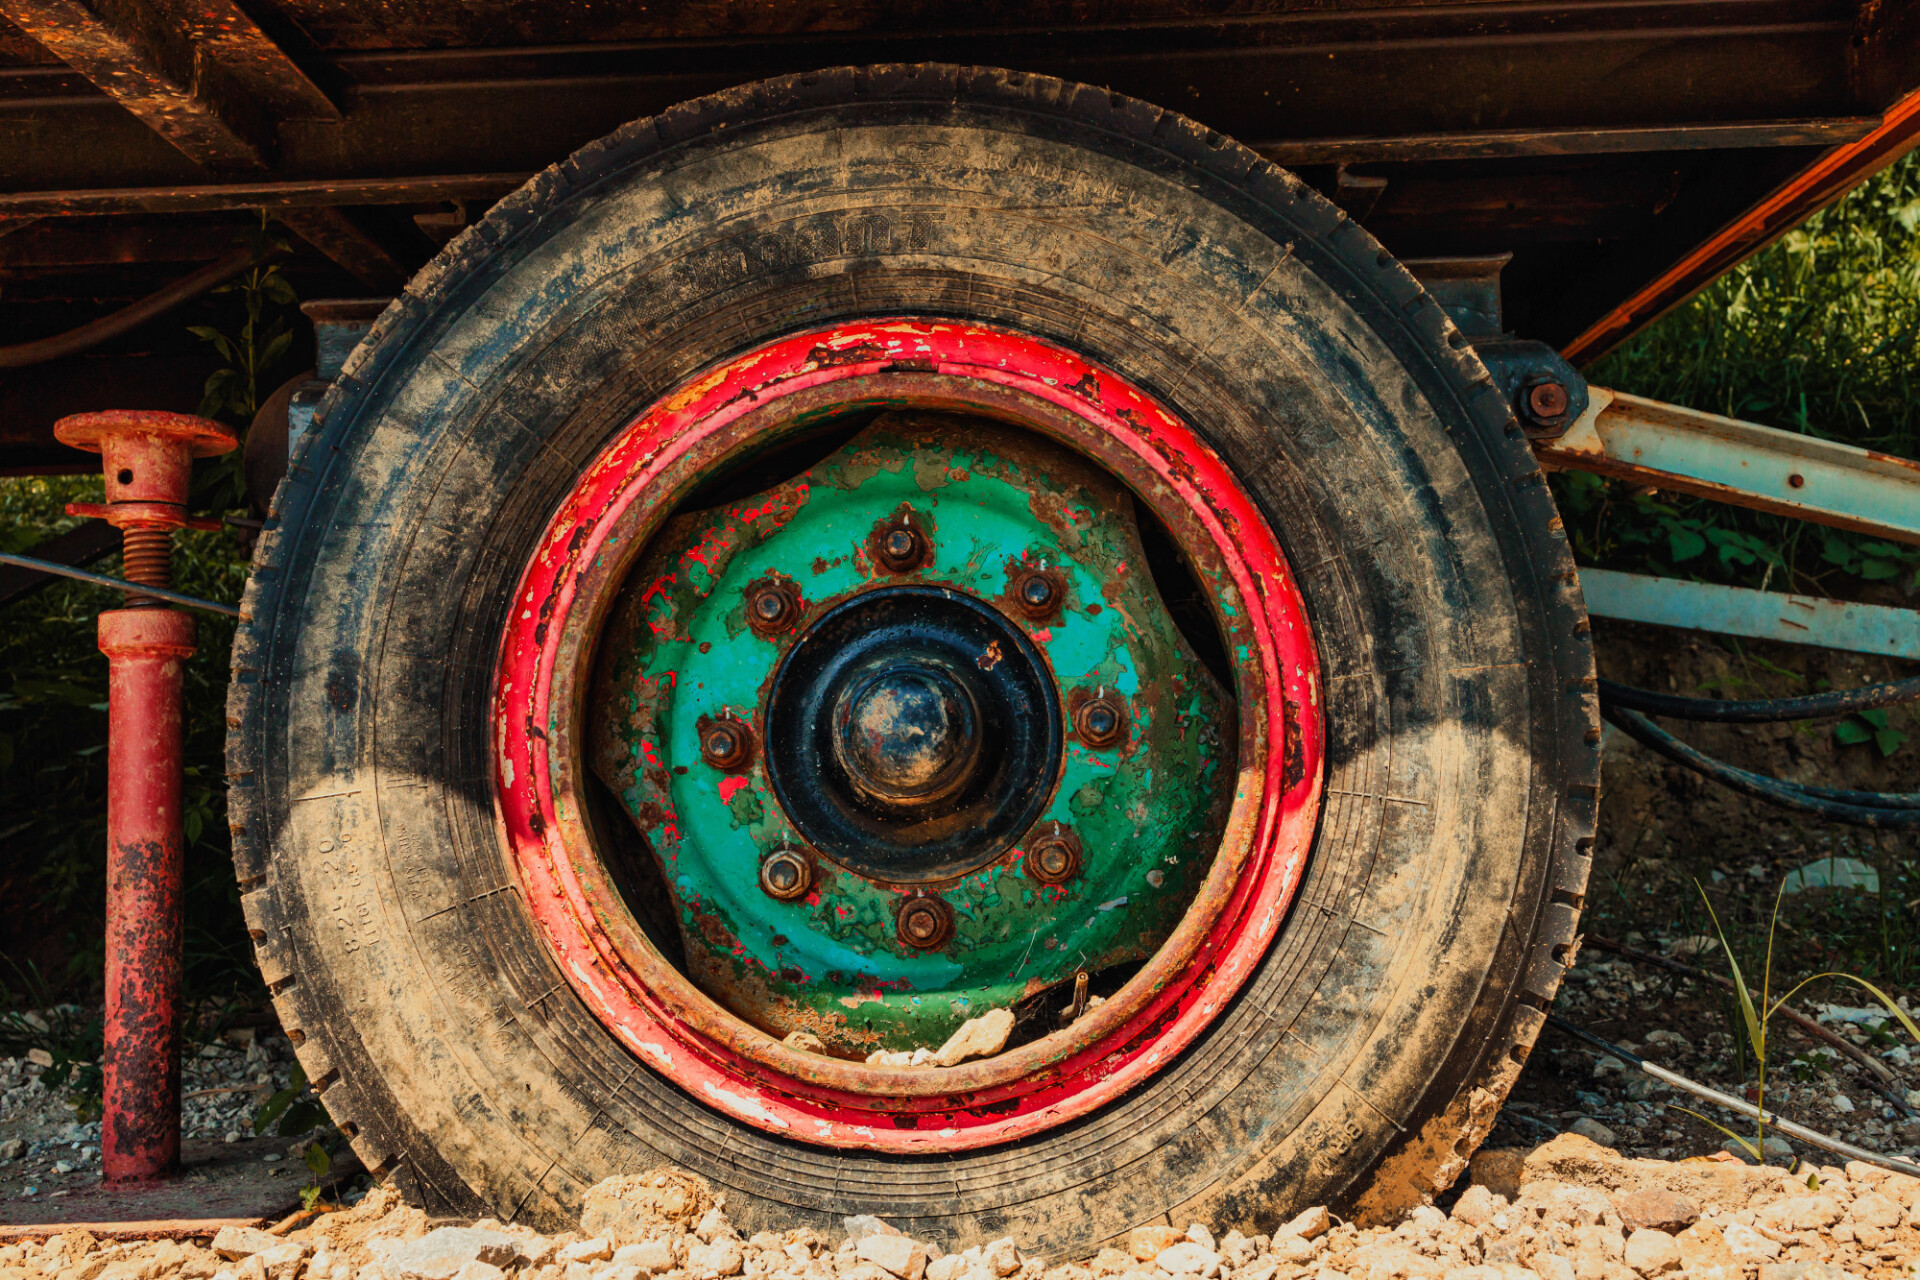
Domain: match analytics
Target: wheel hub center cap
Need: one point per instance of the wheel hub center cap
(913, 733)
(907, 735)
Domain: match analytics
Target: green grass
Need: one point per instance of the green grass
(1819, 333)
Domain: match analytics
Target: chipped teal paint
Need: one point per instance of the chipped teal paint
(678, 649)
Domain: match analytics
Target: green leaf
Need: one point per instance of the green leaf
(1888, 740)
(1876, 992)
(1875, 716)
(277, 1105)
(1683, 543)
(54, 691)
(300, 1117)
(1834, 550)
(1851, 733)
(1750, 1148)
(1875, 570)
(1756, 1029)
(275, 349)
(317, 1159)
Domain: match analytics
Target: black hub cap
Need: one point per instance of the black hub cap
(906, 734)
(912, 734)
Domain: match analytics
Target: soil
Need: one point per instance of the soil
(1663, 829)
(50, 1143)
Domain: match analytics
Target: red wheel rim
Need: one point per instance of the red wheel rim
(732, 1066)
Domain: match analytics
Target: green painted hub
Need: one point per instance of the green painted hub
(997, 511)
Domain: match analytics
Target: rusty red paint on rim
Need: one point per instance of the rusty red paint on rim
(719, 1059)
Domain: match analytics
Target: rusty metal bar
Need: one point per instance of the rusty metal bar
(217, 197)
(1761, 615)
(1494, 144)
(132, 316)
(57, 569)
(1813, 188)
(1666, 447)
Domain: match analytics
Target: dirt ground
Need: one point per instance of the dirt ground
(1663, 830)
(1559, 1213)
(1567, 1210)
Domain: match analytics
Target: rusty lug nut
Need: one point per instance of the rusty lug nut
(786, 874)
(1053, 856)
(1101, 721)
(899, 549)
(773, 606)
(1038, 593)
(1546, 400)
(924, 923)
(727, 743)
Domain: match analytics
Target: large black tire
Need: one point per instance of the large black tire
(1360, 1065)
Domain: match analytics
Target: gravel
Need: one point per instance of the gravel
(46, 1147)
(1566, 1210)
(1570, 1087)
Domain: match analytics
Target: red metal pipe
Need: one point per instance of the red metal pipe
(146, 854)
(148, 459)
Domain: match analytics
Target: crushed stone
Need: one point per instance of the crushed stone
(1566, 1210)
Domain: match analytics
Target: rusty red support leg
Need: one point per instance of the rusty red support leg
(148, 458)
(146, 856)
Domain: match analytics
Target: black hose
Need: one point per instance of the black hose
(1872, 799)
(1887, 810)
(1838, 702)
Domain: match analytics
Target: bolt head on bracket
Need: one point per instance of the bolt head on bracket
(1547, 394)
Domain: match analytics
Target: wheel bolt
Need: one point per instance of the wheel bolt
(727, 743)
(773, 606)
(924, 922)
(900, 548)
(1545, 401)
(1101, 721)
(1053, 855)
(786, 874)
(1039, 592)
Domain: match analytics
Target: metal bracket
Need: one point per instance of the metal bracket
(338, 326)
(1548, 395)
(1663, 446)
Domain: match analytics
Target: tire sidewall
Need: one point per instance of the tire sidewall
(386, 915)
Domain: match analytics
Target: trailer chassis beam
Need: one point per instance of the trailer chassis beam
(1672, 449)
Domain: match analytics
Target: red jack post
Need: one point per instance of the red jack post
(148, 459)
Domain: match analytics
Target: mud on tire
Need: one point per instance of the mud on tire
(1364, 1060)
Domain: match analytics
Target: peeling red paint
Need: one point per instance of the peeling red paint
(1028, 1089)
